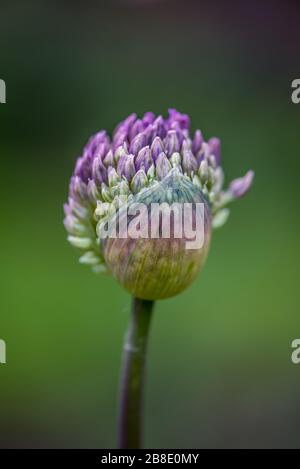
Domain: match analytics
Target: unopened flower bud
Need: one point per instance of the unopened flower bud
(163, 166)
(203, 171)
(143, 159)
(157, 148)
(139, 181)
(113, 177)
(168, 266)
(240, 186)
(153, 159)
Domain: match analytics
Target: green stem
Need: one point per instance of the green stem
(134, 355)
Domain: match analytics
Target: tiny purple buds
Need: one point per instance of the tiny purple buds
(92, 190)
(78, 188)
(101, 150)
(137, 128)
(83, 168)
(129, 168)
(160, 127)
(96, 141)
(138, 143)
(175, 161)
(144, 159)
(182, 119)
(163, 166)
(118, 153)
(156, 147)
(215, 149)
(120, 138)
(121, 163)
(113, 177)
(197, 142)
(139, 181)
(99, 172)
(148, 118)
(189, 162)
(172, 144)
(239, 187)
(128, 122)
(203, 171)
(108, 159)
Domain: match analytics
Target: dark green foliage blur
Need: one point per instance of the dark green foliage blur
(219, 371)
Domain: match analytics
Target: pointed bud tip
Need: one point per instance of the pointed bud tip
(238, 187)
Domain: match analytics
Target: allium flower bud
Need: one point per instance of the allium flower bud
(148, 161)
(240, 186)
(154, 267)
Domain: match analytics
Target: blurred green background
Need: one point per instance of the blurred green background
(219, 371)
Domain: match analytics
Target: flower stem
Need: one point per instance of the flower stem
(134, 355)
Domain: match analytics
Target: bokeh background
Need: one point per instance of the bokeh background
(219, 371)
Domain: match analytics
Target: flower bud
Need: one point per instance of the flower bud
(138, 143)
(144, 159)
(203, 171)
(240, 186)
(148, 160)
(108, 160)
(163, 166)
(172, 144)
(157, 148)
(215, 148)
(159, 267)
(139, 181)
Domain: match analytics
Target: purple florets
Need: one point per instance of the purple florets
(140, 142)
